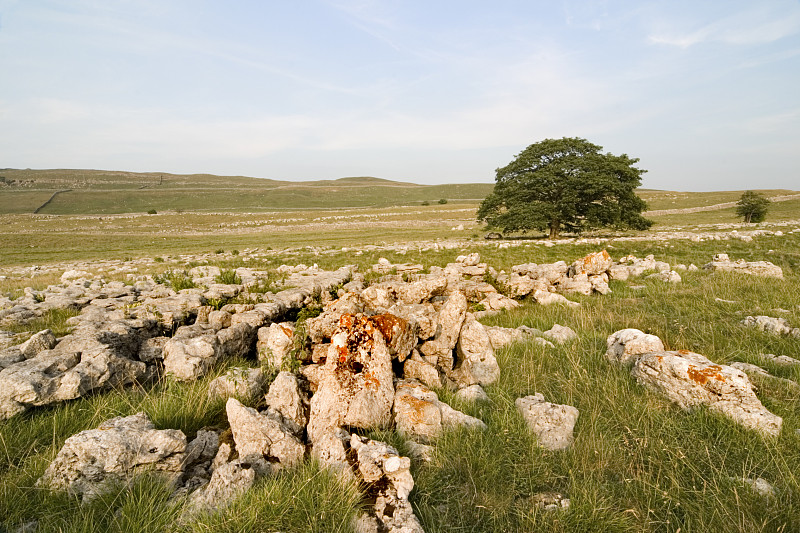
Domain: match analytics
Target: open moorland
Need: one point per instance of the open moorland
(331, 356)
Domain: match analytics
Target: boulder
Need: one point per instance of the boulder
(450, 319)
(721, 262)
(594, 263)
(227, 483)
(322, 327)
(476, 363)
(188, 358)
(690, 379)
(775, 326)
(548, 298)
(275, 343)
(260, 436)
(560, 334)
(286, 398)
(625, 345)
(420, 415)
(389, 482)
(244, 383)
(39, 342)
(357, 387)
(552, 423)
(95, 460)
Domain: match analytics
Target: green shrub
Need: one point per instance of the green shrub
(152, 212)
(177, 279)
(426, 202)
(442, 201)
(158, 259)
(228, 277)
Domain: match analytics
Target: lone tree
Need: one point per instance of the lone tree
(565, 185)
(752, 206)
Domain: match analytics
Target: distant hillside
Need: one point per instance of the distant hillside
(69, 191)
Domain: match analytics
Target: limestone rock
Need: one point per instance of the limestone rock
(228, 482)
(415, 367)
(91, 461)
(260, 436)
(188, 358)
(625, 345)
(667, 276)
(594, 263)
(690, 379)
(548, 298)
(776, 326)
(476, 361)
(357, 387)
(472, 394)
(560, 334)
(152, 349)
(420, 414)
(552, 423)
(322, 327)
(245, 383)
(389, 483)
(286, 398)
(450, 319)
(721, 262)
(275, 343)
(39, 342)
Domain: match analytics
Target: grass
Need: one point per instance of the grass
(638, 463)
(53, 319)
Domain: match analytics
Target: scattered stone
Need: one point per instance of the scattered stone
(39, 342)
(260, 436)
(721, 262)
(472, 394)
(553, 424)
(560, 334)
(775, 326)
(94, 460)
(244, 383)
(626, 345)
(286, 398)
(550, 501)
(690, 379)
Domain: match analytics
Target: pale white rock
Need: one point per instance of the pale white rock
(759, 485)
(275, 343)
(500, 336)
(494, 301)
(548, 298)
(73, 274)
(775, 326)
(238, 382)
(219, 319)
(322, 327)
(424, 315)
(690, 379)
(228, 482)
(39, 342)
(626, 345)
(190, 358)
(782, 360)
(415, 367)
(261, 436)
(472, 394)
(667, 276)
(381, 466)
(755, 268)
(286, 398)
(476, 363)
(560, 334)
(419, 414)
(553, 424)
(237, 340)
(93, 461)
(450, 319)
(469, 260)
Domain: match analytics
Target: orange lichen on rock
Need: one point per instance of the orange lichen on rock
(702, 376)
(389, 325)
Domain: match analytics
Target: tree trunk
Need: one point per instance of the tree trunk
(747, 217)
(554, 227)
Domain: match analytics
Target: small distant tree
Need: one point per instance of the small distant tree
(565, 185)
(442, 201)
(752, 206)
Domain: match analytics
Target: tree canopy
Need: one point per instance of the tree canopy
(565, 185)
(752, 206)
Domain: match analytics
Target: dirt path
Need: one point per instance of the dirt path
(714, 207)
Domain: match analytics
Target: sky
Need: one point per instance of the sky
(705, 93)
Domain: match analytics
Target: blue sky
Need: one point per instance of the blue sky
(705, 93)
